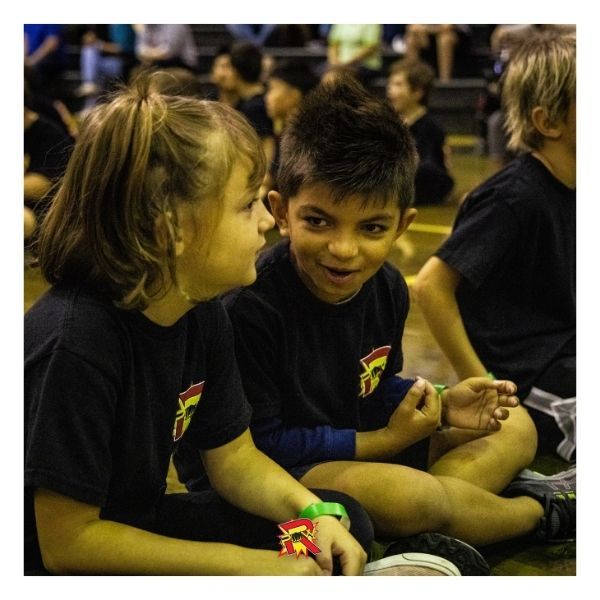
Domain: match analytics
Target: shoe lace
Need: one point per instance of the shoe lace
(560, 520)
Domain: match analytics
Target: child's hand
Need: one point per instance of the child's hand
(334, 540)
(479, 403)
(270, 563)
(418, 415)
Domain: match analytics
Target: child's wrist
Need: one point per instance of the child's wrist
(326, 509)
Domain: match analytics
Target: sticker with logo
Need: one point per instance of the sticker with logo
(298, 538)
(186, 406)
(373, 366)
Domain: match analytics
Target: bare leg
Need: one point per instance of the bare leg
(446, 41)
(416, 39)
(402, 501)
(489, 461)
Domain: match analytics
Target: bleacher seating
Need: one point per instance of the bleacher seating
(452, 103)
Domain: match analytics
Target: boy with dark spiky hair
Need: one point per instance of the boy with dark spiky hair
(318, 339)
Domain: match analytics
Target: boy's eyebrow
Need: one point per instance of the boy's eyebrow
(383, 216)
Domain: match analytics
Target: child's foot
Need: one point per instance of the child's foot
(412, 563)
(468, 560)
(556, 493)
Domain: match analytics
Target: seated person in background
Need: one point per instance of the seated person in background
(220, 77)
(104, 58)
(47, 147)
(408, 88)
(137, 245)
(499, 295)
(287, 85)
(245, 79)
(44, 52)
(166, 46)
(356, 46)
(437, 44)
(319, 343)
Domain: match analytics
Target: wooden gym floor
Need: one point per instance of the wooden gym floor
(423, 357)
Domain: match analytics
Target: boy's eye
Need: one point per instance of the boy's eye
(316, 221)
(375, 228)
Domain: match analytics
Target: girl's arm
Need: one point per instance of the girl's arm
(74, 540)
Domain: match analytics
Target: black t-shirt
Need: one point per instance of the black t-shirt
(108, 394)
(309, 362)
(514, 245)
(48, 147)
(255, 111)
(429, 138)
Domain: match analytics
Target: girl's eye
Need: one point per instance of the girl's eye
(250, 204)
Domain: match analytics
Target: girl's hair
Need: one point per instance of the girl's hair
(541, 72)
(113, 222)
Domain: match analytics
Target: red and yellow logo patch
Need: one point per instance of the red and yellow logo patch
(373, 366)
(185, 409)
(298, 537)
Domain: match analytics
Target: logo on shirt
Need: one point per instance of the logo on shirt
(185, 408)
(372, 366)
(298, 537)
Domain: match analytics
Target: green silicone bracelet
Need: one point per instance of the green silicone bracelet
(439, 388)
(491, 376)
(323, 509)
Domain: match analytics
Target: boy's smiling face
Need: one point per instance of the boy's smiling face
(337, 247)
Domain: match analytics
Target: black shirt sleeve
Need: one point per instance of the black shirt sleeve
(482, 240)
(71, 419)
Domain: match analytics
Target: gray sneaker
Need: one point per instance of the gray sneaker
(412, 564)
(557, 494)
(466, 558)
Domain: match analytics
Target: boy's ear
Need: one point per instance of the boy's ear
(407, 217)
(544, 125)
(279, 209)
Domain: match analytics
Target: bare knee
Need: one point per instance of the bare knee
(520, 433)
(422, 506)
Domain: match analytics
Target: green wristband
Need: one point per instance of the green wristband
(439, 388)
(490, 375)
(326, 509)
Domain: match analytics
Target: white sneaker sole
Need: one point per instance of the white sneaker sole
(412, 563)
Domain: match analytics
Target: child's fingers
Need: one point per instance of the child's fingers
(415, 394)
(501, 414)
(505, 387)
(507, 401)
(432, 403)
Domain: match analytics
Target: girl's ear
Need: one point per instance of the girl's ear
(162, 225)
(279, 209)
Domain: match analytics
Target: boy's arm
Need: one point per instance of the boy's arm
(434, 290)
(74, 540)
(416, 416)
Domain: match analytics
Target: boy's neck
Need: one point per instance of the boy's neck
(412, 115)
(249, 90)
(562, 164)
